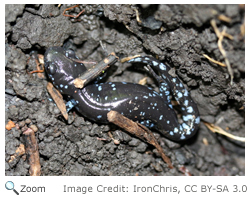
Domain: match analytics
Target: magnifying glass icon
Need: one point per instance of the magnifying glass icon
(10, 186)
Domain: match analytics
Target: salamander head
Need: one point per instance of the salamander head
(62, 68)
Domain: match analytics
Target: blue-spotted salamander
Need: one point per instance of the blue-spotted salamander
(136, 102)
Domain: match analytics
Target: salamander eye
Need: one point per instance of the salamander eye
(52, 68)
(70, 53)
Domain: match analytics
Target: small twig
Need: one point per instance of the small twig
(83, 62)
(129, 28)
(19, 152)
(39, 71)
(95, 71)
(143, 81)
(216, 30)
(184, 170)
(39, 59)
(217, 129)
(218, 33)
(221, 35)
(224, 54)
(139, 131)
(225, 34)
(115, 140)
(224, 18)
(128, 58)
(74, 16)
(31, 148)
(214, 61)
(137, 16)
(103, 47)
(58, 99)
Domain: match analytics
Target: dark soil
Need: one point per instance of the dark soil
(176, 34)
